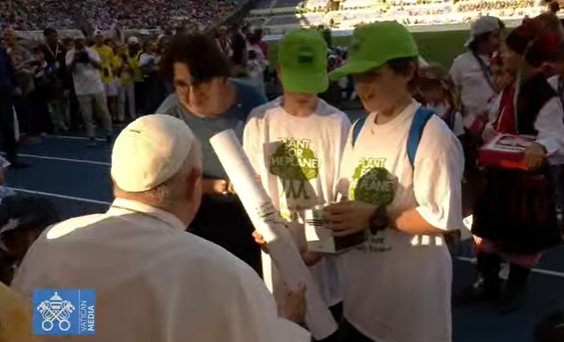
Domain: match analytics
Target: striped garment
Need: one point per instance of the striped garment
(523, 260)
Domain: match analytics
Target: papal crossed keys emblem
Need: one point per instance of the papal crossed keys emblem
(56, 309)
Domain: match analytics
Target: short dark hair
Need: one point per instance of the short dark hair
(49, 31)
(200, 52)
(404, 65)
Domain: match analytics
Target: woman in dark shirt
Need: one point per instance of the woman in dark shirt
(210, 102)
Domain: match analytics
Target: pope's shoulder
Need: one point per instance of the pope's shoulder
(188, 252)
(209, 263)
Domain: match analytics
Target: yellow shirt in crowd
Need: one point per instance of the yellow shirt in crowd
(15, 320)
(126, 73)
(133, 60)
(107, 56)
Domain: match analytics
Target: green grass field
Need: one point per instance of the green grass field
(437, 47)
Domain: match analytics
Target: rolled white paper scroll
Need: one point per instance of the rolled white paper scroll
(270, 225)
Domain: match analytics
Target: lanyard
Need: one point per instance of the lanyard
(516, 98)
(485, 70)
(51, 51)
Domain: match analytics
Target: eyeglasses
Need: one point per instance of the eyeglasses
(184, 88)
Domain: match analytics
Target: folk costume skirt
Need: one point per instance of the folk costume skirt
(517, 212)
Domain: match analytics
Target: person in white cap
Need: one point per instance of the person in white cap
(471, 70)
(84, 65)
(153, 281)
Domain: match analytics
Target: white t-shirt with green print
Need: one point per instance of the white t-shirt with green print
(298, 160)
(396, 287)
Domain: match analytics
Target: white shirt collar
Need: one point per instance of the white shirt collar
(122, 206)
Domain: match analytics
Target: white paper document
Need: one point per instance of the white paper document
(270, 225)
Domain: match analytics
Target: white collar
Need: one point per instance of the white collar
(122, 206)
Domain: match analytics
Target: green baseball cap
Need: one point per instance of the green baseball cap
(374, 44)
(302, 58)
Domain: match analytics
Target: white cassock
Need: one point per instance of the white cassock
(153, 281)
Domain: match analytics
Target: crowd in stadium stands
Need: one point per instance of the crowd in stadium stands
(51, 101)
(102, 14)
(414, 11)
(408, 12)
(475, 6)
(415, 3)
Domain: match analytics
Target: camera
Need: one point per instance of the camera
(82, 57)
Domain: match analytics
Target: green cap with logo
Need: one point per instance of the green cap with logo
(302, 58)
(372, 45)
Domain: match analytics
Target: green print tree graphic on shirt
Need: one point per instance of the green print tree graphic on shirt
(372, 183)
(295, 164)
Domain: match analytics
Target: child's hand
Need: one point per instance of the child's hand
(292, 304)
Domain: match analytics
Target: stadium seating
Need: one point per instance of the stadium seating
(280, 18)
(275, 16)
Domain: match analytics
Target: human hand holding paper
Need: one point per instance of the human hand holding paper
(273, 231)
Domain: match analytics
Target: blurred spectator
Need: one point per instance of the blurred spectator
(54, 53)
(8, 87)
(126, 85)
(239, 47)
(107, 57)
(84, 64)
(224, 41)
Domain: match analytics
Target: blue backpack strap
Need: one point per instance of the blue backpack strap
(357, 127)
(422, 115)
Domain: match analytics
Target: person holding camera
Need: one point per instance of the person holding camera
(84, 65)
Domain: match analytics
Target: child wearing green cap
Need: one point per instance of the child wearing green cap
(295, 143)
(401, 174)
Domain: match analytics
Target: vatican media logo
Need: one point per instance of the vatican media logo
(64, 312)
